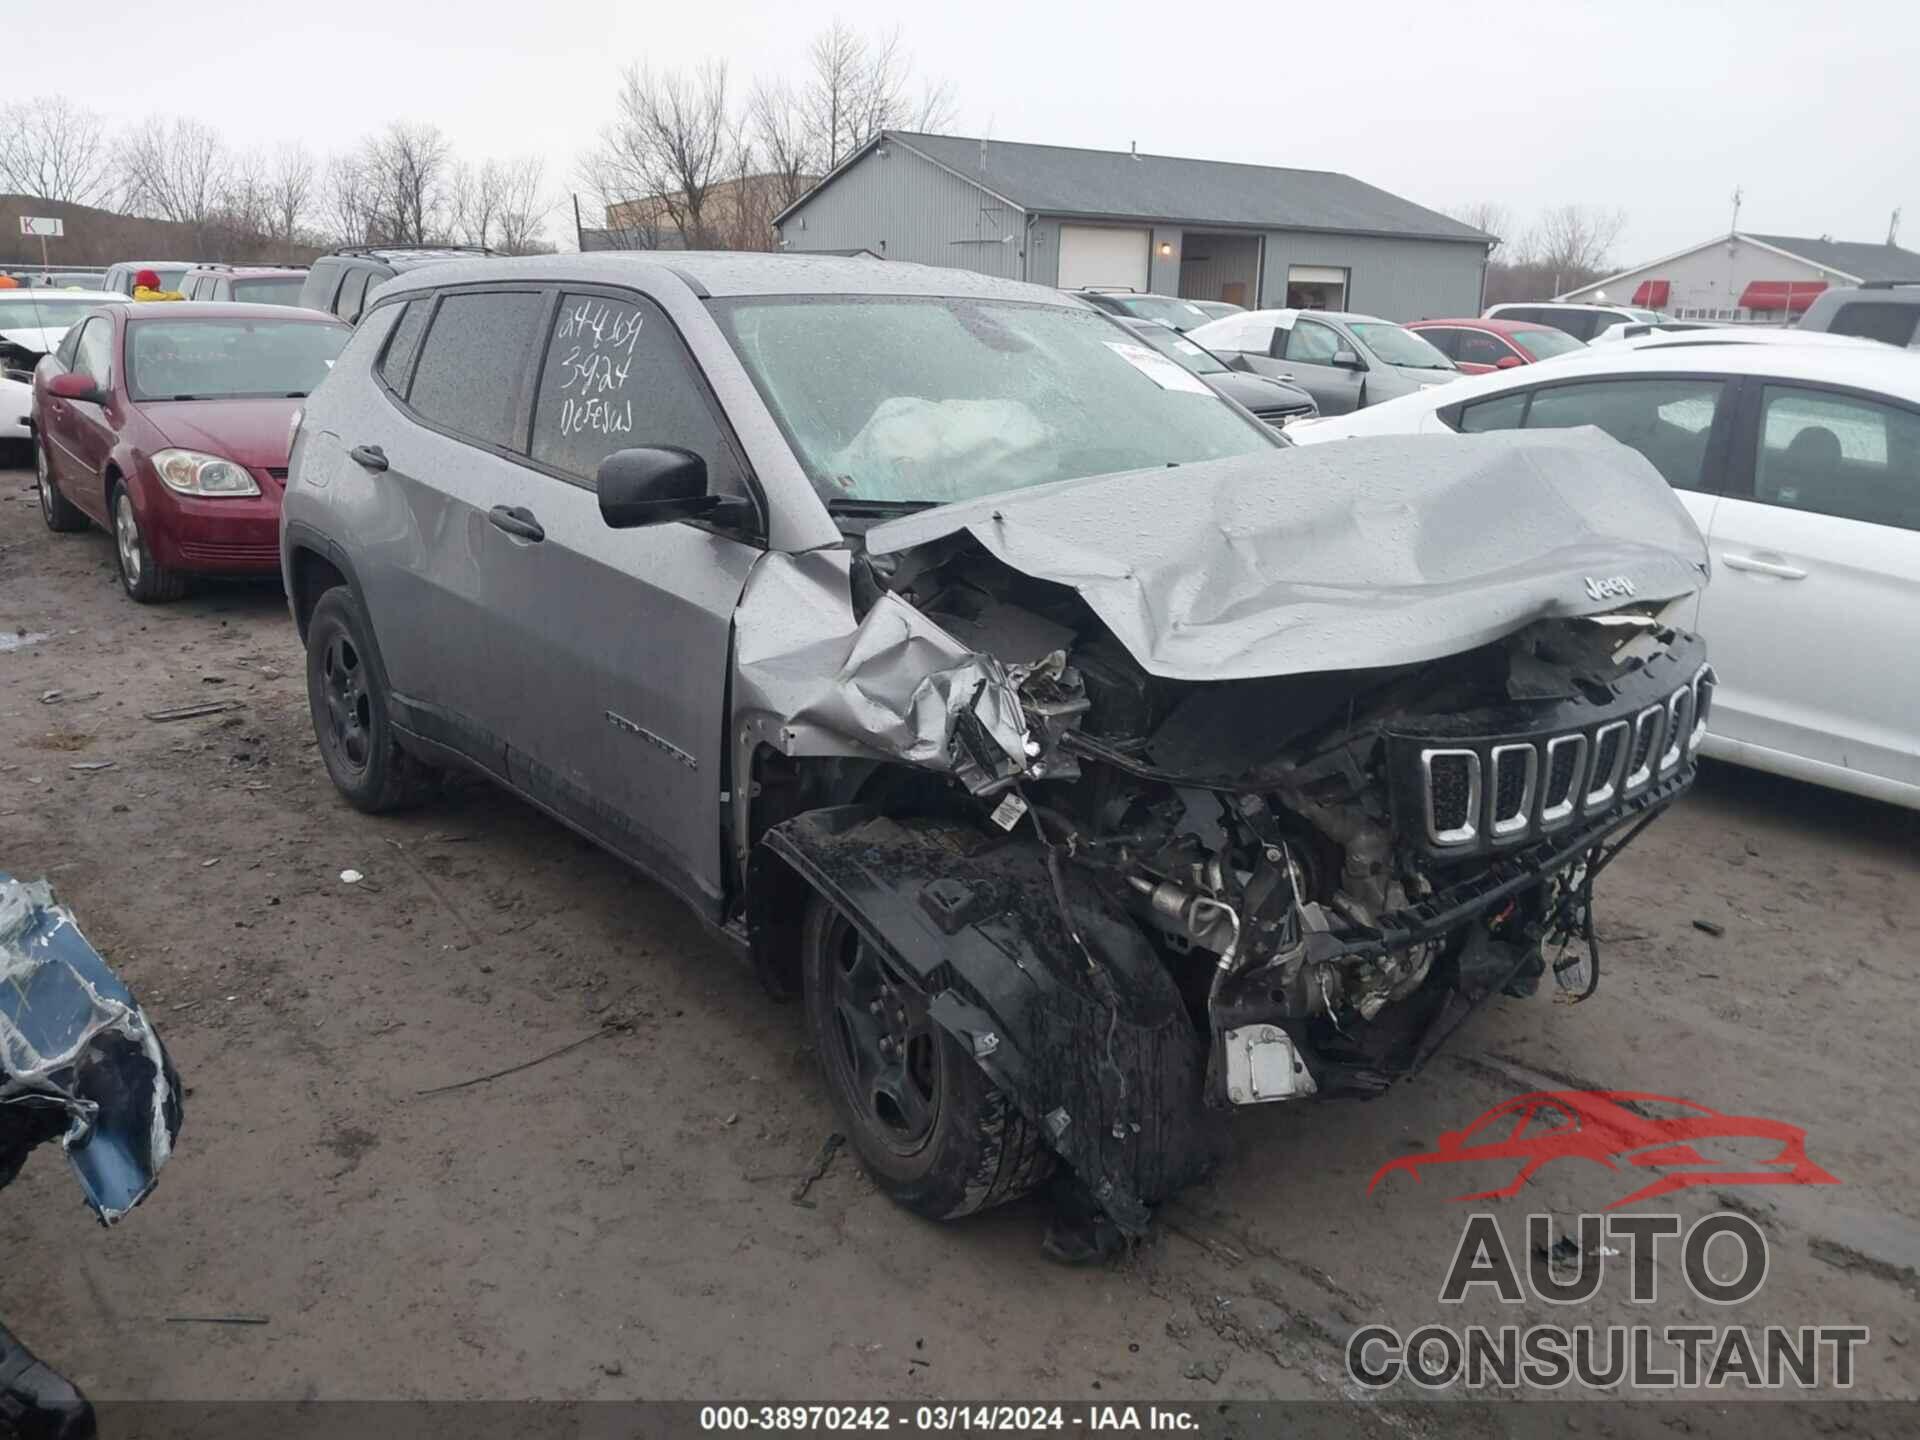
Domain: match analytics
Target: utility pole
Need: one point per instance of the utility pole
(579, 235)
(1893, 226)
(1733, 226)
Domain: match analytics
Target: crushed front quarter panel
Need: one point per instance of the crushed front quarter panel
(1387, 550)
(78, 1057)
(811, 680)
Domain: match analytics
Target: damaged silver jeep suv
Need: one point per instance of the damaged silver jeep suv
(1089, 759)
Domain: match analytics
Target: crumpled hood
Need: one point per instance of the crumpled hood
(1380, 551)
(39, 338)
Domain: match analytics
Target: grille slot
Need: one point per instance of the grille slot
(1451, 781)
(1566, 768)
(278, 472)
(1516, 772)
(1646, 735)
(1679, 727)
(1609, 763)
(1703, 687)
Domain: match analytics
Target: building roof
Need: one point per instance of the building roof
(1115, 184)
(1852, 260)
(1861, 260)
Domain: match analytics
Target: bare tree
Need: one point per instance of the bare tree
(474, 201)
(408, 170)
(667, 149)
(1576, 240)
(1488, 216)
(52, 149)
(785, 141)
(177, 170)
(524, 206)
(289, 191)
(859, 87)
(346, 202)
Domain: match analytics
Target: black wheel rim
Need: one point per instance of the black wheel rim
(883, 1050)
(343, 685)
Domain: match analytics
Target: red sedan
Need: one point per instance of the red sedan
(168, 426)
(1478, 346)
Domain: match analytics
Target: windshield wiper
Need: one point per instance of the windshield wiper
(850, 505)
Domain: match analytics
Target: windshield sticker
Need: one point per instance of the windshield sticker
(1157, 368)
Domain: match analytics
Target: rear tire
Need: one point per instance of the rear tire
(143, 577)
(60, 513)
(932, 1130)
(351, 719)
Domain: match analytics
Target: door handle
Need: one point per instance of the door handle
(370, 457)
(1762, 567)
(517, 521)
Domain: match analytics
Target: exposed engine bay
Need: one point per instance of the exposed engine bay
(1144, 898)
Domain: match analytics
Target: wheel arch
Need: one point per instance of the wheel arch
(313, 565)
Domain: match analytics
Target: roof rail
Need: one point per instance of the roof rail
(383, 249)
(1110, 290)
(1887, 284)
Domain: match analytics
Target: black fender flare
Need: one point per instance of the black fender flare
(1115, 1085)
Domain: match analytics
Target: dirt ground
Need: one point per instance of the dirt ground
(619, 1221)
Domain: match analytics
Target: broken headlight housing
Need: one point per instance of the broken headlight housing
(188, 472)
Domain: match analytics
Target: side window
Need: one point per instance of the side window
(1311, 343)
(1502, 412)
(396, 366)
(69, 343)
(1524, 312)
(95, 352)
(1668, 421)
(1839, 455)
(1878, 320)
(1443, 338)
(617, 376)
(1477, 347)
(472, 374)
(353, 294)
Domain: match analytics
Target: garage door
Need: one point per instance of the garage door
(1103, 255)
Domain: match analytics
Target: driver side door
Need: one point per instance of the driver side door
(1308, 349)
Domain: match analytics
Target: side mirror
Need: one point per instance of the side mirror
(1508, 362)
(75, 386)
(657, 485)
(1347, 360)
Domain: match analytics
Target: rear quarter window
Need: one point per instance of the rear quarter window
(1878, 320)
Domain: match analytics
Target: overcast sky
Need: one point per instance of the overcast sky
(1660, 108)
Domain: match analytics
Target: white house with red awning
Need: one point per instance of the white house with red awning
(1749, 278)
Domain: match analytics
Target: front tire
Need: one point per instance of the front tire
(351, 718)
(143, 577)
(61, 514)
(932, 1130)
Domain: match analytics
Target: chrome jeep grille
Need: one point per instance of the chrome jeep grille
(1500, 792)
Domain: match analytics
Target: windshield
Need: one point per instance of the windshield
(1393, 345)
(1179, 349)
(280, 290)
(931, 400)
(222, 359)
(1542, 344)
(33, 311)
(1181, 314)
(1648, 317)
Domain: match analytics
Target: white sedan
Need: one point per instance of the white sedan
(1801, 466)
(31, 324)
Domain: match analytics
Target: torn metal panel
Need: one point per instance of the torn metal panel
(78, 1058)
(811, 680)
(1373, 552)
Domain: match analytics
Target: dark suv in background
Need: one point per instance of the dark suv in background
(248, 284)
(339, 282)
(1886, 310)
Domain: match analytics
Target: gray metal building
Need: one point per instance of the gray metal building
(1255, 235)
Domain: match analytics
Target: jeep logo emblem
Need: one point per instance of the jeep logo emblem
(1613, 586)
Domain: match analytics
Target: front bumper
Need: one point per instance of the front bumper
(229, 536)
